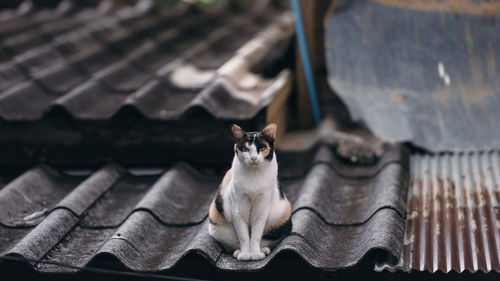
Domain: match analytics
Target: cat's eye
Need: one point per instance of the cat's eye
(244, 148)
(262, 148)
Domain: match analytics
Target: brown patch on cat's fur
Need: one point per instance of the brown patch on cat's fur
(215, 217)
(266, 151)
(282, 227)
(286, 215)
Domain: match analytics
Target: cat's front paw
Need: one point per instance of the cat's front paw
(266, 250)
(236, 253)
(257, 256)
(243, 256)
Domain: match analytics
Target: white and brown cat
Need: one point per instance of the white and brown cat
(250, 212)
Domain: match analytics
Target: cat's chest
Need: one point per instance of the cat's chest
(252, 184)
(254, 188)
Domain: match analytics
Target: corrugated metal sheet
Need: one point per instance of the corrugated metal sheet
(425, 72)
(453, 213)
(162, 65)
(42, 19)
(139, 85)
(150, 222)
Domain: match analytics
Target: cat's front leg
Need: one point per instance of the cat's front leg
(258, 218)
(241, 227)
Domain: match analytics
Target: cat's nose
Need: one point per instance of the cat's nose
(253, 158)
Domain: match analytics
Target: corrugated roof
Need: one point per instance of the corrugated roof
(419, 71)
(163, 65)
(149, 222)
(137, 85)
(453, 213)
(45, 18)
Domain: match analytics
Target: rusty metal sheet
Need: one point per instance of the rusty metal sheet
(151, 222)
(425, 72)
(453, 221)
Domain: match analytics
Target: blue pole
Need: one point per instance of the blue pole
(306, 63)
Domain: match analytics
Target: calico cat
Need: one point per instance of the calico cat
(250, 212)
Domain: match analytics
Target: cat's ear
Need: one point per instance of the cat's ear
(269, 132)
(237, 131)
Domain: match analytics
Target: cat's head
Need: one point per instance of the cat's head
(254, 149)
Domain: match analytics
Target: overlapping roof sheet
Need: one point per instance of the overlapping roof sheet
(150, 222)
(419, 71)
(164, 65)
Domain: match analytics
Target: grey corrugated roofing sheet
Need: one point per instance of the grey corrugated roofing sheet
(149, 222)
(163, 65)
(453, 219)
(419, 71)
(29, 16)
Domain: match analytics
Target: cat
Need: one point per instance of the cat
(250, 213)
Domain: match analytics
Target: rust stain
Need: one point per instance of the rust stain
(474, 62)
(468, 39)
(443, 96)
(475, 92)
(443, 19)
(466, 234)
(367, 21)
(490, 61)
(399, 98)
(469, 7)
(416, 34)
